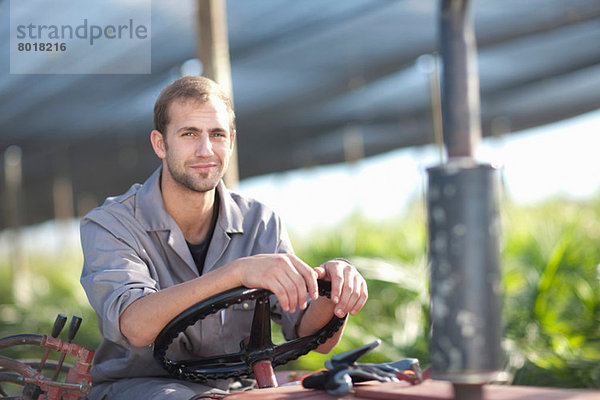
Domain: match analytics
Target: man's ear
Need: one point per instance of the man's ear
(232, 139)
(158, 144)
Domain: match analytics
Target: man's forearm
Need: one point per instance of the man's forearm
(288, 277)
(143, 319)
(318, 314)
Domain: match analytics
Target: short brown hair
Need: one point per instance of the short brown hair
(196, 88)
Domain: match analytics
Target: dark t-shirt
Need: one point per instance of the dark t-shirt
(200, 250)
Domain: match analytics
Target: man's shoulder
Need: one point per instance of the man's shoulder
(250, 205)
(115, 207)
(261, 225)
(254, 215)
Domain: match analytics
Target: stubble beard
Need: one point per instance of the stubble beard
(199, 182)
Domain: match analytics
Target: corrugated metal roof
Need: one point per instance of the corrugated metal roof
(308, 76)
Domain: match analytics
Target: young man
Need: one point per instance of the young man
(182, 237)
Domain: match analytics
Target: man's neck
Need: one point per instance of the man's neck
(192, 211)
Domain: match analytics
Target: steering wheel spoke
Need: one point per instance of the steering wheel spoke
(260, 333)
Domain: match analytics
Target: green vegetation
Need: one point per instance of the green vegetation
(551, 281)
(550, 265)
(552, 293)
(54, 285)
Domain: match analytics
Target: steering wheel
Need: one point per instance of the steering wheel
(256, 349)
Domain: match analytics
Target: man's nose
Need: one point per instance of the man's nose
(204, 147)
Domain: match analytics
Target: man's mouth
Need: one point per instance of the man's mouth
(204, 167)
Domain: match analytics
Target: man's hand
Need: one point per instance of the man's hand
(286, 275)
(348, 295)
(348, 288)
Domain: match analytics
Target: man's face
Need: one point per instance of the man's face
(197, 144)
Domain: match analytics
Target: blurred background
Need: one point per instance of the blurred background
(337, 109)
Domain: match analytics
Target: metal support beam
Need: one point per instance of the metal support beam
(460, 80)
(213, 51)
(464, 227)
(13, 177)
